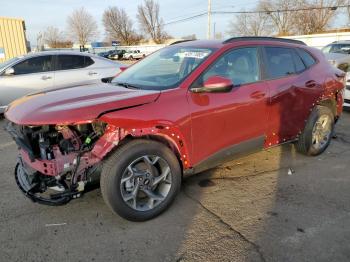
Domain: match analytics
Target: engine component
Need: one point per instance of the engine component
(55, 164)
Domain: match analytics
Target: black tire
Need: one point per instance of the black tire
(117, 163)
(305, 142)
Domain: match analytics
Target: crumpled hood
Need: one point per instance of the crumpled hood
(75, 104)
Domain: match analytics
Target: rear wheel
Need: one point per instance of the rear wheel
(140, 180)
(318, 131)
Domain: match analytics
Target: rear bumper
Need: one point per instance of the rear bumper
(347, 97)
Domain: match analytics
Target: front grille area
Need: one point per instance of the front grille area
(348, 87)
(347, 101)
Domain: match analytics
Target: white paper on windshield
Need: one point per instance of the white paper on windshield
(194, 54)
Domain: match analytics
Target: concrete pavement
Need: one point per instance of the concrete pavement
(275, 205)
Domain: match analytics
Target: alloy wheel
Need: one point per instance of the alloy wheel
(322, 131)
(146, 182)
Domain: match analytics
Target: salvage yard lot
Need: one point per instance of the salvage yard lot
(275, 205)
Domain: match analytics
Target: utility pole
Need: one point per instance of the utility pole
(209, 19)
(214, 31)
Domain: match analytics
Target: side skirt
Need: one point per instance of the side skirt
(228, 154)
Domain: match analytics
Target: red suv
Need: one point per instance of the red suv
(182, 110)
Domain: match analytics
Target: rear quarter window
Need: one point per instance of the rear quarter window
(307, 58)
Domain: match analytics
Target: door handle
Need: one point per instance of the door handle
(257, 95)
(92, 73)
(310, 84)
(46, 77)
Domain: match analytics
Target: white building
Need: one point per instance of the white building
(321, 40)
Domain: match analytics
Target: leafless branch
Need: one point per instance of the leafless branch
(315, 20)
(150, 21)
(257, 24)
(82, 26)
(119, 26)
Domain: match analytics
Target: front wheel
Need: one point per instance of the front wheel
(140, 180)
(318, 131)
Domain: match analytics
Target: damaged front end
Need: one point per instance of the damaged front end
(56, 162)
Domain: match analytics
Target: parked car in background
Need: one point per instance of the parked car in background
(106, 54)
(117, 55)
(51, 69)
(182, 110)
(134, 54)
(337, 47)
(338, 54)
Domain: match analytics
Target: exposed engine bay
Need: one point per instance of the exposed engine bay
(56, 162)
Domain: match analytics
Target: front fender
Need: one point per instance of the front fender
(165, 132)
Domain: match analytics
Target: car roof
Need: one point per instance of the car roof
(341, 42)
(58, 52)
(218, 44)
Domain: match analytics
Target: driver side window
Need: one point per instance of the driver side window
(241, 66)
(32, 65)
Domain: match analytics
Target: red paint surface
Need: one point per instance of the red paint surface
(196, 125)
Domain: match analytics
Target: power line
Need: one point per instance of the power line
(333, 8)
(186, 19)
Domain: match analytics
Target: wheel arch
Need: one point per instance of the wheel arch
(163, 140)
(331, 103)
(171, 137)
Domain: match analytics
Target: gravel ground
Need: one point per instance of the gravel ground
(251, 209)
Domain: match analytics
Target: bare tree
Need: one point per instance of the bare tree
(52, 36)
(250, 24)
(40, 42)
(150, 21)
(219, 36)
(348, 10)
(282, 20)
(316, 17)
(119, 26)
(189, 37)
(82, 26)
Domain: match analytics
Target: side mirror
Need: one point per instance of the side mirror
(215, 84)
(9, 71)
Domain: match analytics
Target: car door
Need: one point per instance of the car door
(293, 91)
(73, 69)
(29, 75)
(233, 122)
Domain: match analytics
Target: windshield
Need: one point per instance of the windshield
(337, 48)
(165, 69)
(7, 63)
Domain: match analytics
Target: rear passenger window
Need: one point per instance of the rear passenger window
(306, 57)
(280, 61)
(299, 65)
(67, 62)
(88, 61)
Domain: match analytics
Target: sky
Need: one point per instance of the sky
(39, 14)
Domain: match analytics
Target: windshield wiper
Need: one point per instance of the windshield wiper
(127, 85)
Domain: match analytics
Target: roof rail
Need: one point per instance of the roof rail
(182, 41)
(263, 38)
